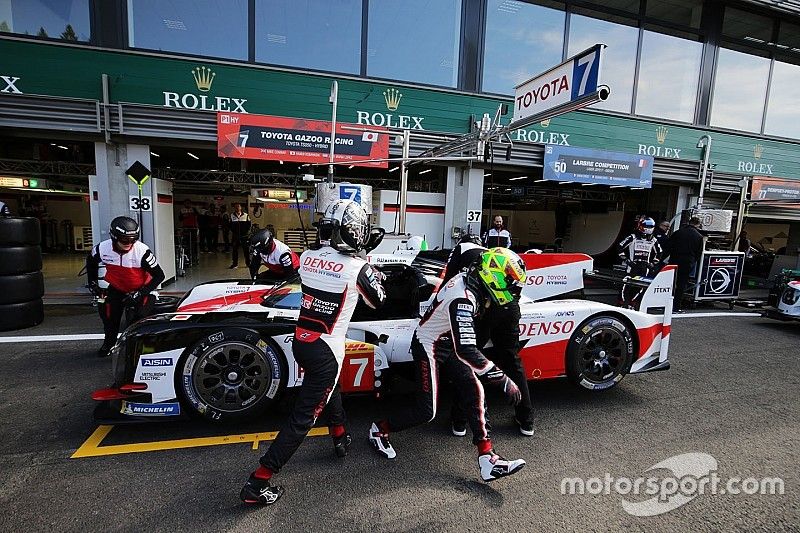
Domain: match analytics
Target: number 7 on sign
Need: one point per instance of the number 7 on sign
(586, 69)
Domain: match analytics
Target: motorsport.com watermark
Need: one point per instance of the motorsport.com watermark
(692, 475)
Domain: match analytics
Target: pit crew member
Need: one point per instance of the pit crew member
(131, 271)
(497, 235)
(641, 253)
(332, 279)
(445, 338)
(280, 260)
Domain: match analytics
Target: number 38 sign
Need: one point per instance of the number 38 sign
(141, 204)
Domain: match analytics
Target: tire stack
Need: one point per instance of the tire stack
(21, 281)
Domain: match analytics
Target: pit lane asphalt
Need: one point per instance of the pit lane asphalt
(732, 392)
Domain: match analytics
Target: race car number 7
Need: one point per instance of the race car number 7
(362, 363)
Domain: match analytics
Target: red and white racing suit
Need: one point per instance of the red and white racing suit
(332, 283)
(129, 272)
(446, 337)
(281, 262)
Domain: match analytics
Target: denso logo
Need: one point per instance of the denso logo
(546, 328)
(323, 264)
(166, 361)
(534, 280)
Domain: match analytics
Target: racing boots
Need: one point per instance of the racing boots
(458, 428)
(525, 427)
(260, 491)
(492, 466)
(104, 350)
(380, 441)
(341, 444)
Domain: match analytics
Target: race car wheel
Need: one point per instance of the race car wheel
(231, 374)
(600, 353)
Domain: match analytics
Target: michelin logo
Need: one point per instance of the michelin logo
(161, 361)
(151, 409)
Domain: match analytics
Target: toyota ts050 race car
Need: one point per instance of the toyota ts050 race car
(785, 296)
(226, 351)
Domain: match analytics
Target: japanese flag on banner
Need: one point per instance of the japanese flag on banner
(369, 136)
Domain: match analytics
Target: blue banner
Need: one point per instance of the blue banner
(582, 165)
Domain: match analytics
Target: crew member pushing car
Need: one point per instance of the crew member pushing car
(280, 260)
(445, 338)
(132, 272)
(332, 280)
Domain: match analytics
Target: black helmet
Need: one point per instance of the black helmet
(262, 242)
(472, 238)
(124, 229)
(344, 226)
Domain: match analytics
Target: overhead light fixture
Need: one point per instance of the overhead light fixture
(519, 178)
(281, 162)
(350, 167)
(154, 154)
(487, 174)
(563, 182)
(426, 171)
(539, 181)
(587, 184)
(393, 169)
(63, 147)
(508, 188)
(637, 188)
(616, 186)
(192, 155)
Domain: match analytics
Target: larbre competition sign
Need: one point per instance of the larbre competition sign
(581, 165)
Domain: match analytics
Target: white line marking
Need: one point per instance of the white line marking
(53, 338)
(700, 315)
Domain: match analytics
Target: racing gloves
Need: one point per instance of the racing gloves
(134, 298)
(495, 376)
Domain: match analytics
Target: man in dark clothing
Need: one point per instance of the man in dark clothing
(684, 249)
(240, 228)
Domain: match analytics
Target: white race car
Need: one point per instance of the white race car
(226, 351)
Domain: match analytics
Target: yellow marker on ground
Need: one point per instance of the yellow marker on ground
(92, 448)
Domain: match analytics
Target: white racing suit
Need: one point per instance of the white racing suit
(332, 283)
(641, 256)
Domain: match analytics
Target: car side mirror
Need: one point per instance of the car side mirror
(375, 238)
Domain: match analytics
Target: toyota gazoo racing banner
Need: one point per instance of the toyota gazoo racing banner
(247, 136)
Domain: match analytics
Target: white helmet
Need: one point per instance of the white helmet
(344, 226)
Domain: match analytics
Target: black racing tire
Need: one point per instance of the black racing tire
(20, 288)
(231, 374)
(19, 260)
(19, 231)
(21, 315)
(600, 352)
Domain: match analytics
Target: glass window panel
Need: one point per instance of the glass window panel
(414, 40)
(217, 29)
(317, 34)
(681, 12)
(522, 40)
(57, 19)
(747, 26)
(668, 77)
(631, 6)
(619, 59)
(740, 88)
(783, 113)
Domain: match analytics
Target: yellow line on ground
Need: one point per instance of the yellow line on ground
(92, 448)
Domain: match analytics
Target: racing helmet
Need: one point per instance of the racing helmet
(471, 238)
(344, 226)
(262, 242)
(646, 226)
(124, 230)
(501, 273)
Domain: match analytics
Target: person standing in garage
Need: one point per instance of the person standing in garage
(4, 210)
(684, 248)
(498, 235)
(333, 278)
(240, 228)
(132, 272)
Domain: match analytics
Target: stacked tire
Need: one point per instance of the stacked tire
(21, 281)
